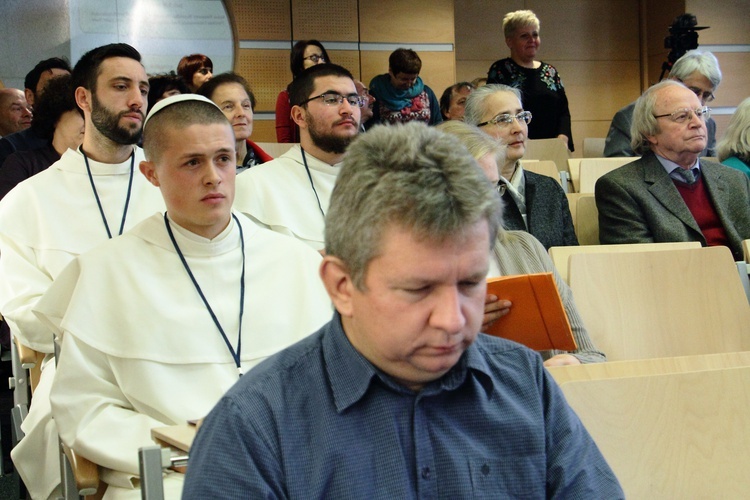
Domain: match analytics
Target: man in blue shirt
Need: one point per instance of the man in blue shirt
(399, 396)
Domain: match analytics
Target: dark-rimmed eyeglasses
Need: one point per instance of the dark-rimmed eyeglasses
(315, 58)
(504, 119)
(686, 114)
(336, 99)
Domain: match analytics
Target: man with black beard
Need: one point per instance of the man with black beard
(88, 196)
(290, 194)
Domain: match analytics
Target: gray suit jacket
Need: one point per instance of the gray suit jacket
(547, 212)
(618, 137)
(639, 203)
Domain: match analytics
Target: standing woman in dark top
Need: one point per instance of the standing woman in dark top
(58, 120)
(539, 82)
(305, 53)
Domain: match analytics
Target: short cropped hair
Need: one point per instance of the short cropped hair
(302, 86)
(477, 101)
(519, 19)
(164, 82)
(33, 76)
(188, 65)
(644, 125)
(178, 116)
(208, 88)
(411, 176)
(404, 61)
(297, 55)
(51, 105)
(704, 63)
(86, 70)
(445, 99)
(736, 140)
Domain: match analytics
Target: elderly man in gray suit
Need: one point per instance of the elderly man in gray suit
(670, 194)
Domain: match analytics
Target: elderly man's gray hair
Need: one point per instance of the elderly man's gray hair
(644, 123)
(704, 63)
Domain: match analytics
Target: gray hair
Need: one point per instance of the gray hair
(477, 142)
(519, 19)
(704, 63)
(736, 140)
(408, 175)
(476, 102)
(644, 124)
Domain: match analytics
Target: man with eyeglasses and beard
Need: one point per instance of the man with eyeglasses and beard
(670, 193)
(88, 196)
(290, 194)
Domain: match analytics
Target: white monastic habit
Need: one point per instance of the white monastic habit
(45, 222)
(280, 195)
(140, 349)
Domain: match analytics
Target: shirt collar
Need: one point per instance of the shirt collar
(351, 374)
(669, 165)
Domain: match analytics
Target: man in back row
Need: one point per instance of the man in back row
(700, 72)
(88, 196)
(670, 194)
(398, 396)
(290, 194)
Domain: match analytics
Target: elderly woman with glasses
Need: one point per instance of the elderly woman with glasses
(533, 203)
(539, 82)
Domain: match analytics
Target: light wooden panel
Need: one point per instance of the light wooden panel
(330, 20)
(348, 59)
(264, 131)
(467, 70)
(722, 122)
(589, 30)
(678, 435)
(584, 129)
(659, 16)
(728, 20)
(268, 73)
(391, 21)
(438, 68)
(735, 85)
(479, 31)
(260, 19)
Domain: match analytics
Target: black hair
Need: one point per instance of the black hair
(297, 56)
(302, 86)
(33, 76)
(57, 98)
(86, 69)
(158, 84)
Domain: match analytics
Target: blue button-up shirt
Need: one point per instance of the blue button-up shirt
(319, 421)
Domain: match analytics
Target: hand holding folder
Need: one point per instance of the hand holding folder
(537, 318)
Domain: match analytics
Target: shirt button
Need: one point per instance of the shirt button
(425, 473)
(485, 469)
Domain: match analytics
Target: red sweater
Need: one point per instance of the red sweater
(700, 205)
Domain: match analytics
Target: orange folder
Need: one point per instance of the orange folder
(537, 318)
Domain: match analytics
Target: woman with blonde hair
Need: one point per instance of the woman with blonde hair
(519, 252)
(539, 82)
(734, 148)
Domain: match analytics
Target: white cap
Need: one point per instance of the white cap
(173, 100)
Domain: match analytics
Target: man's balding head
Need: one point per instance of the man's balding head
(14, 112)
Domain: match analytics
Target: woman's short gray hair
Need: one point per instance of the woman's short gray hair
(411, 176)
(519, 19)
(644, 124)
(476, 103)
(704, 63)
(736, 140)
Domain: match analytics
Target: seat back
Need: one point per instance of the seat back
(543, 167)
(593, 147)
(561, 255)
(548, 149)
(587, 221)
(640, 305)
(275, 149)
(674, 435)
(593, 168)
(574, 169)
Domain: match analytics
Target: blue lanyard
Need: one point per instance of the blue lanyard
(96, 194)
(235, 354)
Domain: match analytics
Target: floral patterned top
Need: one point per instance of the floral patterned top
(543, 94)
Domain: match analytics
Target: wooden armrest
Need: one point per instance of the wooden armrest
(86, 472)
(26, 355)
